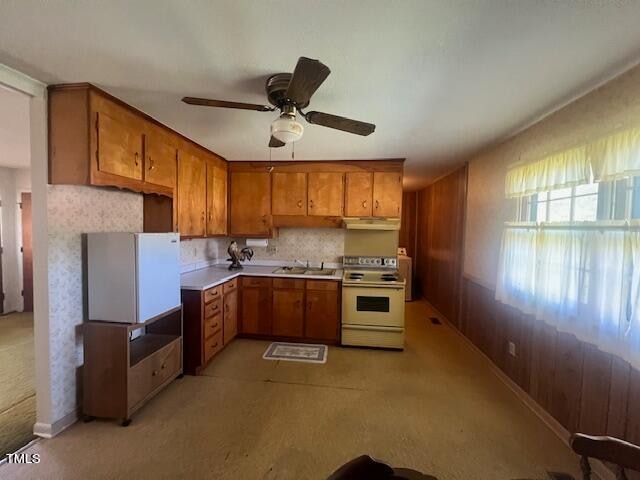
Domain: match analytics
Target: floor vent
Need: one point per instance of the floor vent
(435, 321)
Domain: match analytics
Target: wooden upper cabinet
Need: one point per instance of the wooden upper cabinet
(119, 137)
(96, 139)
(216, 197)
(289, 193)
(359, 194)
(192, 194)
(325, 193)
(160, 158)
(250, 204)
(387, 194)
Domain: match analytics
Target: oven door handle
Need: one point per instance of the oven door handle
(372, 328)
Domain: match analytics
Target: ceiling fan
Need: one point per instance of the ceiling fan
(290, 93)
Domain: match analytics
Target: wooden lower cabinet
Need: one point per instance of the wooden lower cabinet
(258, 307)
(292, 309)
(255, 307)
(230, 316)
(288, 308)
(210, 323)
(322, 311)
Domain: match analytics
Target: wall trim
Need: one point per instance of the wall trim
(50, 430)
(601, 471)
(21, 82)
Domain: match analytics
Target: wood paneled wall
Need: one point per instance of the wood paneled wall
(583, 388)
(441, 208)
(408, 223)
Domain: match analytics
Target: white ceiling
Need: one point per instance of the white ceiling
(441, 79)
(15, 150)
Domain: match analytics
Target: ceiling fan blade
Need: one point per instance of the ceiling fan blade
(275, 143)
(206, 102)
(307, 77)
(340, 123)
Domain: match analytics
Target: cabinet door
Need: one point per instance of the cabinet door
(256, 310)
(192, 193)
(326, 194)
(387, 194)
(288, 313)
(250, 208)
(119, 142)
(359, 194)
(216, 198)
(160, 160)
(289, 193)
(230, 316)
(323, 315)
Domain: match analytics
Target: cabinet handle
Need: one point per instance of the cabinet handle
(154, 373)
(309, 305)
(151, 165)
(135, 158)
(377, 204)
(364, 204)
(163, 367)
(299, 203)
(310, 203)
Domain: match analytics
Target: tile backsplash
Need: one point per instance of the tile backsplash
(313, 244)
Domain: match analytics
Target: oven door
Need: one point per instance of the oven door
(375, 306)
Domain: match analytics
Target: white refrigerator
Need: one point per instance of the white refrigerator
(132, 277)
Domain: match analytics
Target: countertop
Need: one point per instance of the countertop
(215, 275)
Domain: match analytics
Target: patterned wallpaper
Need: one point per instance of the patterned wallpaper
(613, 106)
(72, 211)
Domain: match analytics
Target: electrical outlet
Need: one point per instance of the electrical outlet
(271, 248)
(512, 349)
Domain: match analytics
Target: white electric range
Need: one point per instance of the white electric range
(372, 302)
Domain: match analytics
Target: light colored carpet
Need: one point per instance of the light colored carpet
(436, 407)
(17, 395)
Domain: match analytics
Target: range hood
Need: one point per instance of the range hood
(371, 224)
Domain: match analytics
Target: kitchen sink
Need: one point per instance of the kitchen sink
(318, 271)
(304, 271)
(290, 270)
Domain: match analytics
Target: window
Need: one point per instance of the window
(572, 257)
(618, 200)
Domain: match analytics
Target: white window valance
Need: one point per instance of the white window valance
(615, 156)
(564, 169)
(609, 158)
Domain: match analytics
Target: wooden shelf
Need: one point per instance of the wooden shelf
(147, 344)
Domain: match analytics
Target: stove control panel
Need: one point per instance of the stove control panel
(370, 262)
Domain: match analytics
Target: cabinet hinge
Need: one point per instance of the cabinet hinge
(21, 249)
(20, 205)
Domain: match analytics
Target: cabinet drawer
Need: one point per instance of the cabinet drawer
(211, 294)
(230, 286)
(212, 345)
(322, 285)
(288, 283)
(256, 282)
(213, 308)
(152, 372)
(212, 325)
(166, 362)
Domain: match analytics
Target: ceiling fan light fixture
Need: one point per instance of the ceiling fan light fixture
(286, 128)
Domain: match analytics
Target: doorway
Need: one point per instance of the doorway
(17, 351)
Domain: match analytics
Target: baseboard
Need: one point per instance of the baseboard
(50, 430)
(599, 469)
